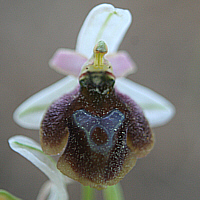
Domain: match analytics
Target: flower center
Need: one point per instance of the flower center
(99, 130)
(99, 136)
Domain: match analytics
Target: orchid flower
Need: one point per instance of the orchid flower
(109, 24)
(106, 23)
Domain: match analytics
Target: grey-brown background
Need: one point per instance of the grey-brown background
(164, 41)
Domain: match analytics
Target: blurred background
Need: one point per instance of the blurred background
(164, 41)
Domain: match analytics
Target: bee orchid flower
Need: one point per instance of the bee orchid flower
(107, 23)
(99, 119)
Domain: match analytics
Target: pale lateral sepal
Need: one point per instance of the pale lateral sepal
(29, 114)
(31, 150)
(156, 108)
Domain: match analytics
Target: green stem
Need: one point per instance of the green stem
(88, 193)
(113, 192)
(4, 195)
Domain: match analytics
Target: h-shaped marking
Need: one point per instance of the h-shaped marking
(109, 123)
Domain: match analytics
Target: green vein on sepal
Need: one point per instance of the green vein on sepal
(42, 108)
(152, 106)
(100, 33)
(33, 148)
(32, 151)
(34, 109)
(4, 195)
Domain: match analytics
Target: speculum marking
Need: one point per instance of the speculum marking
(109, 123)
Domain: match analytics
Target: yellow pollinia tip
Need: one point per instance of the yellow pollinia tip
(100, 50)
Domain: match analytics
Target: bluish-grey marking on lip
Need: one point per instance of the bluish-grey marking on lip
(109, 123)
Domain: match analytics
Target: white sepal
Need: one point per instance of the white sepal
(31, 150)
(156, 108)
(29, 114)
(104, 22)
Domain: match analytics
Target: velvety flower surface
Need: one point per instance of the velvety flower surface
(102, 130)
(97, 121)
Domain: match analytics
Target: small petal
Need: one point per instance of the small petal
(122, 63)
(32, 151)
(67, 62)
(29, 114)
(156, 108)
(104, 22)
